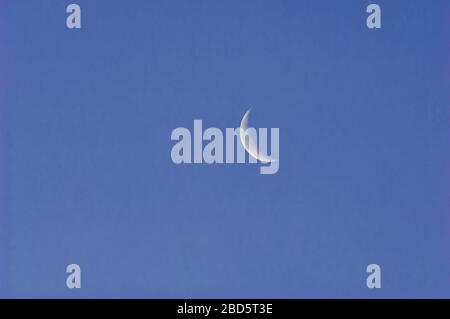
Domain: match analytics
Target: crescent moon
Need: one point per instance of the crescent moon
(249, 145)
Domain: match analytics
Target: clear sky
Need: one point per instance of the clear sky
(87, 177)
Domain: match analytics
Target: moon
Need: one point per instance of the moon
(248, 144)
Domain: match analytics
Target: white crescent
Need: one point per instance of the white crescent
(248, 144)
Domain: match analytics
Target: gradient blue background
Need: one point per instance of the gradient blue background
(87, 178)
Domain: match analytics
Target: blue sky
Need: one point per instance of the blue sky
(87, 178)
